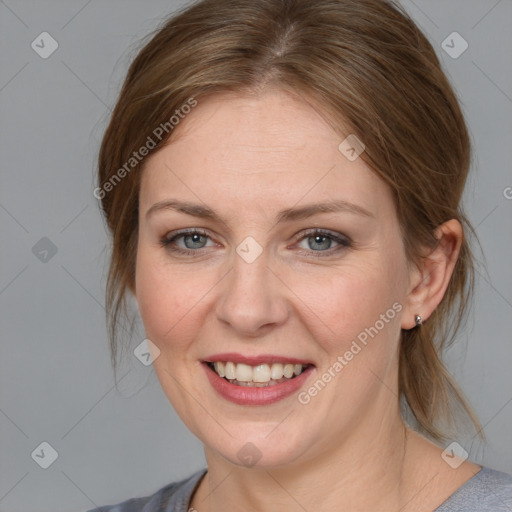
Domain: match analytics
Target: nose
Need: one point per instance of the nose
(253, 299)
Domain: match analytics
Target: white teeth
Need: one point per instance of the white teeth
(230, 370)
(243, 372)
(276, 372)
(219, 368)
(288, 370)
(261, 374)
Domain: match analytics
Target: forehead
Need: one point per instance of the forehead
(243, 150)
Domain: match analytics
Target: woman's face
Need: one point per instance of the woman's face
(258, 283)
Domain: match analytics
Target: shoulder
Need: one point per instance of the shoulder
(488, 491)
(174, 497)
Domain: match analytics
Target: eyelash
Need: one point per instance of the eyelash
(343, 241)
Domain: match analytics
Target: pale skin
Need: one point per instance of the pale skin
(249, 157)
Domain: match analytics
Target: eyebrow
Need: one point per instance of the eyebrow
(287, 215)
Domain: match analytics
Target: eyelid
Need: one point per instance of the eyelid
(324, 232)
(341, 239)
(167, 239)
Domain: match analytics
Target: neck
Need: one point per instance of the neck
(365, 471)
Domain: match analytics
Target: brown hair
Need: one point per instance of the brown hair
(369, 68)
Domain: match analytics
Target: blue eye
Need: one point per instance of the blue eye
(319, 242)
(191, 239)
(195, 241)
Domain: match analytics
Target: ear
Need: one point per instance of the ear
(430, 278)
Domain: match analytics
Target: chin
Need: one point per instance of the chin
(253, 448)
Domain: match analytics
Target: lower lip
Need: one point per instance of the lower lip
(244, 395)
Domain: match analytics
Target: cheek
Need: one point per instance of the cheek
(169, 301)
(336, 305)
(349, 301)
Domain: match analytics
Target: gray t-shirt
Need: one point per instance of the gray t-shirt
(488, 491)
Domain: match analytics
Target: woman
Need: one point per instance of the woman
(282, 181)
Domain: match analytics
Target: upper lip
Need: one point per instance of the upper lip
(255, 360)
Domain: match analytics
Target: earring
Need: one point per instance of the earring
(418, 320)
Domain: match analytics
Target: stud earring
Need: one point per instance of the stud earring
(418, 320)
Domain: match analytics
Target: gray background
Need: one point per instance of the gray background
(56, 383)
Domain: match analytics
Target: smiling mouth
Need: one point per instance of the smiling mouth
(262, 375)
